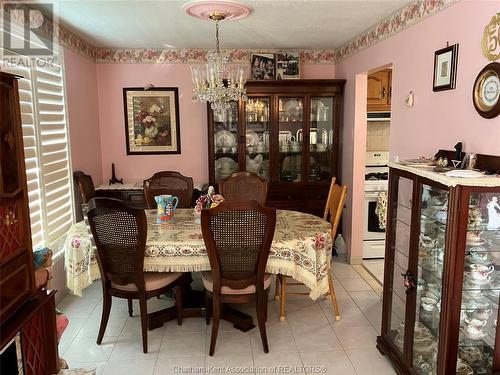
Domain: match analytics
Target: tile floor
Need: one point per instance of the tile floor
(376, 268)
(309, 336)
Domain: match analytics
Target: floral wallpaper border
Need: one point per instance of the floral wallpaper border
(405, 17)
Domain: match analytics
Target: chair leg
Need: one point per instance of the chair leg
(216, 310)
(130, 310)
(144, 322)
(179, 291)
(261, 318)
(207, 307)
(106, 308)
(276, 288)
(266, 302)
(283, 297)
(333, 297)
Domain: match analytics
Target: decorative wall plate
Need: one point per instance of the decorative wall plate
(486, 91)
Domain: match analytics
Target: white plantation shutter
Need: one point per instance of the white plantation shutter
(53, 150)
(46, 147)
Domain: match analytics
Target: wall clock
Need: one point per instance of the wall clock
(486, 92)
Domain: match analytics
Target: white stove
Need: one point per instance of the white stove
(376, 182)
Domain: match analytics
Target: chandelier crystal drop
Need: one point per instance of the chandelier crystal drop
(216, 82)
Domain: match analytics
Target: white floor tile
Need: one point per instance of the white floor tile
(333, 362)
(113, 328)
(307, 317)
(86, 349)
(183, 345)
(316, 338)
(130, 347)
(352, 317)
(356, 337)
(214, 364)
(137, 366)
(231, 343)
(77, 307)
(133, 327)
(370, 362)
(355, 285)
(189, 325)
(279, 339)
(180, 365)
(98, 366)
(264, 362)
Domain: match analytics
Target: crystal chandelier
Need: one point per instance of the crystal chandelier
(215, 82)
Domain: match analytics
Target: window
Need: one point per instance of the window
(46, 146)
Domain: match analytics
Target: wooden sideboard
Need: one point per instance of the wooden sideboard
(131, 194)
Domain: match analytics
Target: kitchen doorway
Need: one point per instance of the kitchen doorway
(378, 115)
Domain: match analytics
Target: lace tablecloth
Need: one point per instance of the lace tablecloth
(301, 249)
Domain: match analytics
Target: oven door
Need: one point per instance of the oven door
(372, 230)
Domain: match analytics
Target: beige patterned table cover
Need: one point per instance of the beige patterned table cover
(301, 249)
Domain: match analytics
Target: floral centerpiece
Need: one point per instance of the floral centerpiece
(208, 200)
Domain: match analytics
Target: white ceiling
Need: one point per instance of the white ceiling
(273, 24)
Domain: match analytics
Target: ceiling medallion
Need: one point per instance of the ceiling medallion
(215, 82)
(203, 9)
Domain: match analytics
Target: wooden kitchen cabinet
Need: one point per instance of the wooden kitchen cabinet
(442, 272)
(379, 91)
(287, 133)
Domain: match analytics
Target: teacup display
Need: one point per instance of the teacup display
(441, 215)
(463, 368)
(474, 237)
(427, 242)
(482, 314)
(321, 147)
(428, 303)
(480, 272)
(474, 328)
(471, 354)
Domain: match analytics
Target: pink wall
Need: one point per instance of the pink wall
(112, 78)
(193, 161)
(83, 116)
(437, 120)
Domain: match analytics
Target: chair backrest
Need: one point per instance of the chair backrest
(85, 185)
(169, 182)
(119, 233)
(83, 188)
(244, 186)
(334, 205)
(238, 237)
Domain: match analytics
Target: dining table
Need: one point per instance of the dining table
(301, 248)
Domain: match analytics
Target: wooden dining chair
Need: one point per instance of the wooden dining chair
(169, 182)
(238, 236)
(244, 186)
(84, 191)
(120, 237)
(333, 211)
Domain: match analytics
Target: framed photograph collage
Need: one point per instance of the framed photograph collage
(281, 65)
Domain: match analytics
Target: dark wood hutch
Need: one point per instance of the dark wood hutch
(27, 315)
(288, 132)
(442, 271)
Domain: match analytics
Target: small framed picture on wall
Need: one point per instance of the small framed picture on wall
(152, 120)
(445, 68)
(288, 65)
(263, 66)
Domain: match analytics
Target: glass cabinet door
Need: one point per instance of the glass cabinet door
(400, 246)
(290, 138)
(226, 141)
(257, 143)
(321, 139)
(431, 251)
(481, 285)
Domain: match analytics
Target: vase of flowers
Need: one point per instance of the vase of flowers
(208, 200)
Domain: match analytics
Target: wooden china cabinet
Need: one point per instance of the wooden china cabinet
(27, 316)
(442, 271)
(287, 133)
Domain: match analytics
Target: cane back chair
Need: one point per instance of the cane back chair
(333, 212)
(120, 237)
(238, 236)
(244, 186)
(169, 182)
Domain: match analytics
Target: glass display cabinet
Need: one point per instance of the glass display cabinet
(442, 272)
(287, 133)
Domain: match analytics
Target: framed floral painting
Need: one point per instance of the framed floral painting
(152, 120)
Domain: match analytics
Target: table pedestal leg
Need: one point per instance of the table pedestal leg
(193, 305)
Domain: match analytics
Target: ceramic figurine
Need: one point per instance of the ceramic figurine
(493, 213)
